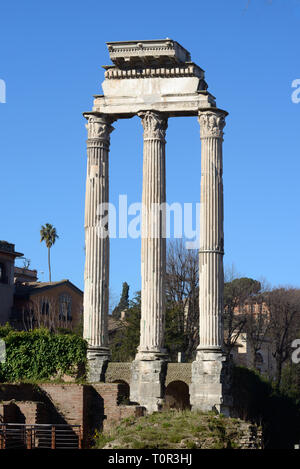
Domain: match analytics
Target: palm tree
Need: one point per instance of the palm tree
(49, 235)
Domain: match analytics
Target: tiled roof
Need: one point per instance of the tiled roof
(30, 288)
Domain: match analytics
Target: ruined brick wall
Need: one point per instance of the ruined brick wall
(30, 411)
(93, 406)
(19, 392)
(252, 436)
(27, 412)
(67, 400)
(8, 412)
(112, 394)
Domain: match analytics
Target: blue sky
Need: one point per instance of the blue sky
(51, 55)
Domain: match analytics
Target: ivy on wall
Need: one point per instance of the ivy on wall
(40, 355)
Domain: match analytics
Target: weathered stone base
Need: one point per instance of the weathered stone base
(148, 382)
(210, 387)
(98, 358)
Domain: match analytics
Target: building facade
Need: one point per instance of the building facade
(55, 305)
(26, 303)
(7, 286)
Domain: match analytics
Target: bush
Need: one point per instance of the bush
(256, 400)
(40, 354)
(5, 330)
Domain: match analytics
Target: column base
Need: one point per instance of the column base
(147, 384)
(211, 382)
(97, 359)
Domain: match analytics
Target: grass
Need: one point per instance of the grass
(172, 430)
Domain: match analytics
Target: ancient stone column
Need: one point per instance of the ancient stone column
(96, 273)
(149, 367)
(209, 371)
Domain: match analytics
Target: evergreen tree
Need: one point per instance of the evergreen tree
(126, 340)
(123, 303)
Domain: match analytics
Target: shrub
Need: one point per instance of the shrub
(257, 401)
(40, 354)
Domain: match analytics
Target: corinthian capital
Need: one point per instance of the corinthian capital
(99, 127)
(155, 125)
(212, 123)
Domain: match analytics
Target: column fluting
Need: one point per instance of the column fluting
(96, 273)
(153, 245)
(211, 275)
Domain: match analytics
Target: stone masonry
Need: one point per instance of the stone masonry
(156, 80)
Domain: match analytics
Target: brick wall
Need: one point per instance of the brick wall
(8, 412)
(112, 394)
(67, 400)
(94, 406)
(30, 411)
(19, 392)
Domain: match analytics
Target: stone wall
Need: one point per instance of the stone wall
(121, 371)
(179, 372)
(251, 436)
(118, 371)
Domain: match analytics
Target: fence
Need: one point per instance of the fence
(41, 436)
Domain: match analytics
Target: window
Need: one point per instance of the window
(65, 307)
(45, 308)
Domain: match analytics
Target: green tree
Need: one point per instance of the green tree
(175, 338)
(290, 381)
(49, 235)
(123, 303)
(126, 340)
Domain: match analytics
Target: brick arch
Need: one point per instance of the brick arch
(177, 395)
(118, 371)
(179, 372)
(124, 389)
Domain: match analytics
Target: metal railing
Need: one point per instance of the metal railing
(41, 436)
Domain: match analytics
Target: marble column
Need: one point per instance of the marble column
(96, 273)
(210, 373)
(149, 367)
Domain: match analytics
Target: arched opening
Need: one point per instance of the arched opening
(177, 396)
(124, 392)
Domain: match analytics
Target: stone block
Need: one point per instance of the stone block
(211, 382)
(148, 383)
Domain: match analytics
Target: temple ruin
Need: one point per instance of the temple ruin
(156, 80)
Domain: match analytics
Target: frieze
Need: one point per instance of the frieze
(159, 72)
